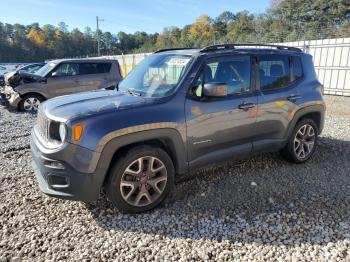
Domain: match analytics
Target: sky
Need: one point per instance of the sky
(120, 15)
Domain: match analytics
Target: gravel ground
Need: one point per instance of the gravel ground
(262, 208)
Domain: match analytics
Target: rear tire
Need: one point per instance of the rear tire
(30, 103)
(140, 180)
(302, 143)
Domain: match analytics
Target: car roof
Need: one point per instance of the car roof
(33, 64)
(84, 60)
(239, 49)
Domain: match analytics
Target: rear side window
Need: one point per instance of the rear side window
(274, 71)
(94, 68)
(297, 67)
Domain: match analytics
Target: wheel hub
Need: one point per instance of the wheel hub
(304, 141)
(143, 181)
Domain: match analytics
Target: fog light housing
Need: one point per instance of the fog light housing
(56, 181)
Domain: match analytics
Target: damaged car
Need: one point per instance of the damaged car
(27, 91)
(3, 71)
(27, 69)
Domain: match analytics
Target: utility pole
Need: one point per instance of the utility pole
(98, 35)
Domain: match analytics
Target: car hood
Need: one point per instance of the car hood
(9, 75)
(68, 107)
(17, 78)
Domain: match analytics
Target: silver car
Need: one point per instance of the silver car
(60, 77)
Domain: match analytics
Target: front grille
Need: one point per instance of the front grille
(43, 125)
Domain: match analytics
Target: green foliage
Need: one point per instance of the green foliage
(285, 20)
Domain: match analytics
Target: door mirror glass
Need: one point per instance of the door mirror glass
(215, 90)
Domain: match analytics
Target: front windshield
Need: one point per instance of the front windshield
(156, 76)
(45, 69)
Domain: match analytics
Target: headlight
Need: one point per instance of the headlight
(63, 132)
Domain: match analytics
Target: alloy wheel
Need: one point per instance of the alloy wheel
(143, 181)
(304, 141)
(31, 104)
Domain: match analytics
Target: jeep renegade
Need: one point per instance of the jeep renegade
(179, 109)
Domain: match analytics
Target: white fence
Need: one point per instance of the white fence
(331, 60)
(332, 63)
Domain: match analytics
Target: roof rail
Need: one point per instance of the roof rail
(233, 46)
(171, 49)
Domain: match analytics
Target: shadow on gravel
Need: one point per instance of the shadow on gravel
(264, 192)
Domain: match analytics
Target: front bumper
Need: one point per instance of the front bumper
(3, 99)
(14, 100)
(65, 173)
(10, 97)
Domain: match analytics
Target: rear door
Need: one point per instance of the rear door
(94, 75)
(64, 79)
(277, 100)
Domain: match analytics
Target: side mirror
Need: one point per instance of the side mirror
(215, 90)
(54, 74)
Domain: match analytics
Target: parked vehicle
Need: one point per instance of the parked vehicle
(60, 77)
(3, 70)
(15, 76)
(179, 109)
(2, 79)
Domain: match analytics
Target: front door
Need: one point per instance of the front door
(64, 79)
(221, 128)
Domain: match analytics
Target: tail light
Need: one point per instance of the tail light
(120, 71)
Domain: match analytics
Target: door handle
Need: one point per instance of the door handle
(293, 97)
(246, 106)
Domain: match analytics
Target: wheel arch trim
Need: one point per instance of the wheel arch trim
(314, 108)
(122, 138)
(133, 129)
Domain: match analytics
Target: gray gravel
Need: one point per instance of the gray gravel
(262, 208)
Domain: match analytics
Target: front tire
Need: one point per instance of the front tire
(30, 103)
(140, 180)
(302, 143)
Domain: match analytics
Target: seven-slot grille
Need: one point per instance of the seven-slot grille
(43, 125)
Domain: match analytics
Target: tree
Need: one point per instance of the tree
(36, 37)
(63, 27)
(169, 37)
(201, 32)
(242, 29)
(221, 22)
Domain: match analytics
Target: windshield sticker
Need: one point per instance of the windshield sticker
(178, 61)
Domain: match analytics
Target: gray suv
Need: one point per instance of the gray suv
(60, 77)
(178, 110)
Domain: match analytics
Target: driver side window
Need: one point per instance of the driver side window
(67, 69)
(233, 71)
